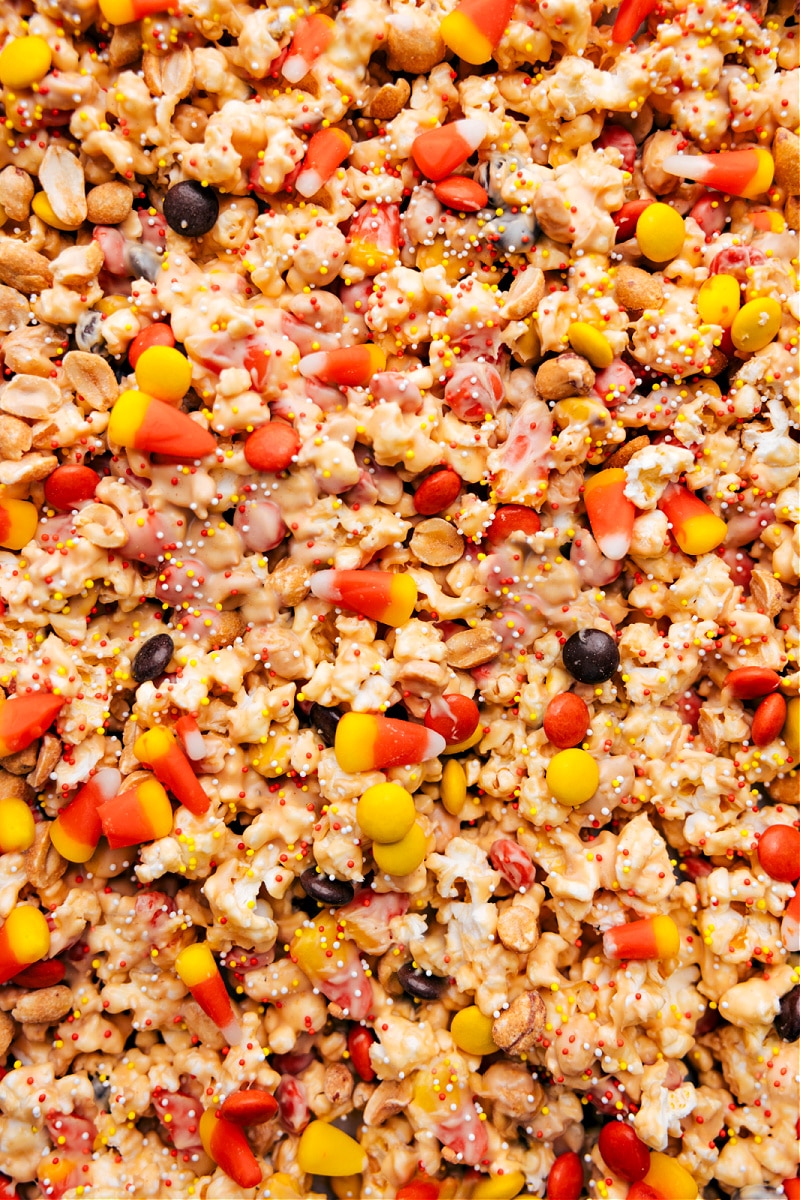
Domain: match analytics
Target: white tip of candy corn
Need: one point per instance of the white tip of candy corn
(686, 166)
(434, 746)
(323, 584)
(311, 365)
(232, 1032)
(614, 545)
(295, 68)
(472, 130)
(308, 183)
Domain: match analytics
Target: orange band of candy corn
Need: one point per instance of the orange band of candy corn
(159, 749)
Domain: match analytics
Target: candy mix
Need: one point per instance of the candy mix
(400, 701)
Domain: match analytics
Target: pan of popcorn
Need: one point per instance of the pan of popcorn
(399, 691)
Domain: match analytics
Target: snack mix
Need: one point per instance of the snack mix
(399, 682)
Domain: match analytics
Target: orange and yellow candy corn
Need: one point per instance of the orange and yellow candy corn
(474, 28)
(325, 1150)
(745, 173)
(374, 237)
(225, 1143)
(653, 937)
(17, 828)
(159, 749)
(332, 963)
(369, 743)
(140, 814)
(191, 738)
(24, 939)
(312, 36)
(611, 514)
(381, 595)
(440, 151)
(77, 829)
(696, 529)
(326, 150)
(143, 423)
(198, 971)
(18, 521)
(122, 12)
(25, 718)
(669, 1179)
(352, 366)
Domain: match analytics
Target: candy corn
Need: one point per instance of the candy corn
(338, 972)
(369, 743)
(226, 1144)
(352, 366)
(325, 1150)
(140, 814)
(611, 513)
(438, 152)
(159, 749)
(24, 939)
(154, 427)
(77, 829)
(374, 237)
(653, 937)
(312, 36)
(630, 16)
(745, 173)
(669, 1179)
(191, 738)
(17, 829)
(122, 12)
(43, 974)
(382, 595)
(198, 971)
(474, 27)
(18, 521)
(23, 719)
(326, 150)
(696, 529)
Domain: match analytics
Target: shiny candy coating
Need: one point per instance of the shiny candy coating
(359, 1041)
(623, 1151)
(331, 892)
(25, 717)
(152, 658)
(472, 1031)
(461, 193)
(748, 683)
(404, 856)
(591, 343)
(163, 372)
(696, 529)
(572, 777)
(591, 655)
(779, 852)
(371, 743)
(157, 334)
(326, 1150)
(454, 787)
(756, 324)
(69, 486)
(439, 152)
(437, 492)
(272, 447)
(16, 825)
(499, 1187)
(510, 519)
(18, 521)
(224, 1142)
(660, 232)
(769, 719)
(474, 28)
(787, 1022)
(652, 937)
(249, 1106)
(566, 720)
(420, 984)
(718, 300)
(191, 209)
(565, 1181)
(23, 61)
(24, 939)
(669, 1178)
(386, 812)
(454, 716)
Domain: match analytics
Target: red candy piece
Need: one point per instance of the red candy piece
(769, 720)
(454, 716)
(418, 1189)
(461, 193)
(250, 1106)
(711, 213)
(747, 683)
(513, 863)
(272, 447)
(439, 152)
(359, 1041)
(643, 1191)
(614, 384)
(625, 218)
(565, 1181)
(437, 492)
(46, 973)
(779, 852)
(69, 485)
(791, 1188)
(566, 720)
(624, 1152)
(512, 518)
(630, 16)
(620, 139)
(157, 334)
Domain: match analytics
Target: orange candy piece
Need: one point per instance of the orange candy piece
(441, 151)
(326, 150)
(24, 718)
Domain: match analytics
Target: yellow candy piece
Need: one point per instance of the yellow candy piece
(667, 1177)
(578, 410)
(499, 1187)
(272, 759)
(756, 324)
(347, 1187)
(23, 61)
(791, 727)
(718, 300)
(16, 825)
(44, 211)
(454, 787)
(108, 305)
(472, 1032)
(325, 1150)
(18, 521)
(462, 36)
(403, 857)
(660, 231)
(163, 372)
(386, 812)
(591, 343)
(467, 744)
(573, 777)
(281, 1186)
